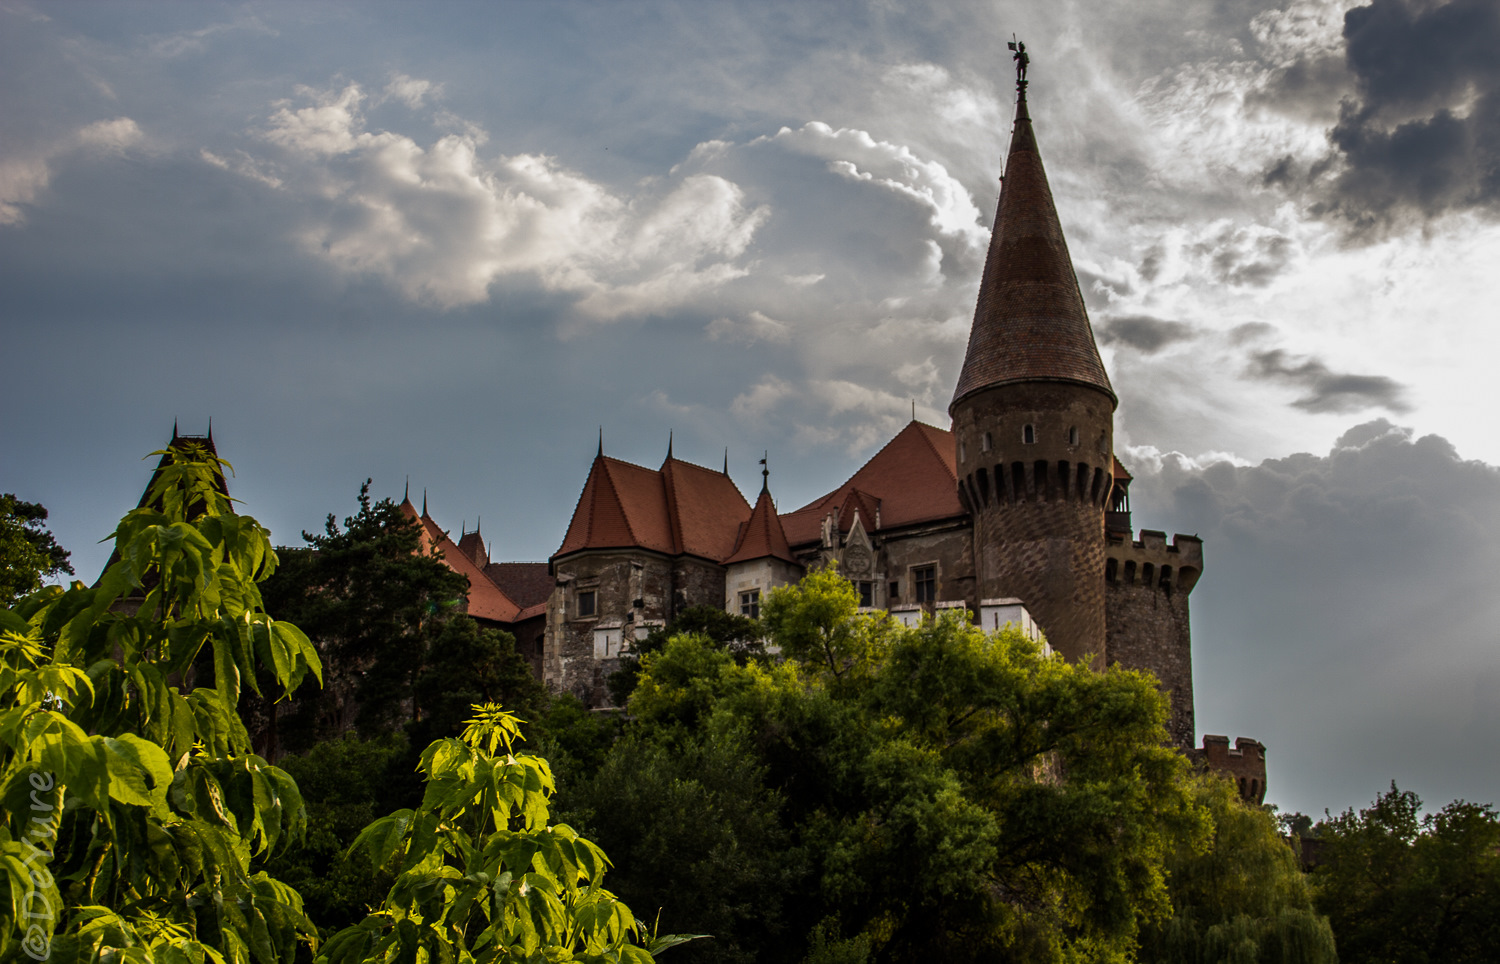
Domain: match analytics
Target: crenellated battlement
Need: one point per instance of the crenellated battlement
(1244, 763)
(1150, 561)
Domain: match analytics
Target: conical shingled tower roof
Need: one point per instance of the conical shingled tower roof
(762, 535)
(1030, 323)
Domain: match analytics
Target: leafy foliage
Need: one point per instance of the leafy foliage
(28, 552)
(466, 665)
(919, 794)
(738, 636)
(1401, 887)
(1242, 897)
(143, 782)
(480, 873)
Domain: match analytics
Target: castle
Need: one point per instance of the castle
(1019, 512)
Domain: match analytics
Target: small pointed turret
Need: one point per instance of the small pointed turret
(1030, 323)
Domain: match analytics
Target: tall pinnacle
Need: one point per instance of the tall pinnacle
(1030, 323)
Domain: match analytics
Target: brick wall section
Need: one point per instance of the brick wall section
(1245, 764)
(1038, 506)
(1146, 613)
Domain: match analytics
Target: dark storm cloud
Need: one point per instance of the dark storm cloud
(1422, 133)
(1354, 620)
(1144, 333)
(1327, 390)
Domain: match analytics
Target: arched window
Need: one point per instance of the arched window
(1073, 435)
(1028, 434)
(984, 442)
(1111, 570)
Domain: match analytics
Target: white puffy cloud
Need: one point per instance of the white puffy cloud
(443, 223)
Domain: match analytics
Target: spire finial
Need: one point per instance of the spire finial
(765, 474)
(600, 453)
(726, 460)
(424, 503)
(669, 445)
(406, 493)
(1022, 60)
(210, 429)
(174, 429)
(914, 410)
(478, 519)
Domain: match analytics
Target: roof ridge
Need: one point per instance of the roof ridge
(614, 491)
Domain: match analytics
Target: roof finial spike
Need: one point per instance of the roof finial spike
(478, 519)
(210, 429)
(726, 460)
(600, 453)
(914, 410)
(174, 429)
(463, 528)
(1022, 60)
(765, 474)
(406, 493)
(669, 445)
(424, 503)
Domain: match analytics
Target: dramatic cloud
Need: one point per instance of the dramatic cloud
(1354, 593)
(1422, 134)
(442, 223)
(1143, 333)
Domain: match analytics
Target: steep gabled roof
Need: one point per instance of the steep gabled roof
(486, 599)
(680, 508)
(706, 509)
(912, 479)
(1030, 323)
(761, 536)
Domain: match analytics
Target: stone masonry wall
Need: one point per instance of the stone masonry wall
(1146, 615)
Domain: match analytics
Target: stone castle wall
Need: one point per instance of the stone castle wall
(1147, 583)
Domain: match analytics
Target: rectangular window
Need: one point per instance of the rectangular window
(585, 604)
(750, 604)
(866, 594)
(895, 588)
(924, 581)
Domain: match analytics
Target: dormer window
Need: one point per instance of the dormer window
(1028, 435)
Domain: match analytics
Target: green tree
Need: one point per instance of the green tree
(1239, 895)
(956, 795)
(481, 873)
(1401, 887)
(373, 605)
(739, 636)
(466, 665)
(157, 813)
(28, 552)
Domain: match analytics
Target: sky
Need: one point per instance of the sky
(449, 244)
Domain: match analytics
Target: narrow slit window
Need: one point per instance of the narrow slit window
(985, 442)
(1073, 435)
(1028, 435)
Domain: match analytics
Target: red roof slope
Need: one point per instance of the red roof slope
(1030, 323)
(762, 535)
(486, 600)
(680, 508)
(913, 479)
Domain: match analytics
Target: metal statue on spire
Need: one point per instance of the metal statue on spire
(1021, 58)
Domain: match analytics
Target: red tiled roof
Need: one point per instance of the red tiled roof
(472, 545)
(486, 600)
(912, 479)
(1119, 471)
(680, 508)
(762, 535)
(1030, 323)
(705, 507)
(528, 583)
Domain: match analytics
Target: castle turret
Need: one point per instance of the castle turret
(1033, 417)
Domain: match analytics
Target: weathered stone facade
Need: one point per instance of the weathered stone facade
(1146, 612)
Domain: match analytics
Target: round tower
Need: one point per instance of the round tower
(1033, 418)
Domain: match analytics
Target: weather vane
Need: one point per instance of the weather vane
(1021, 59)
